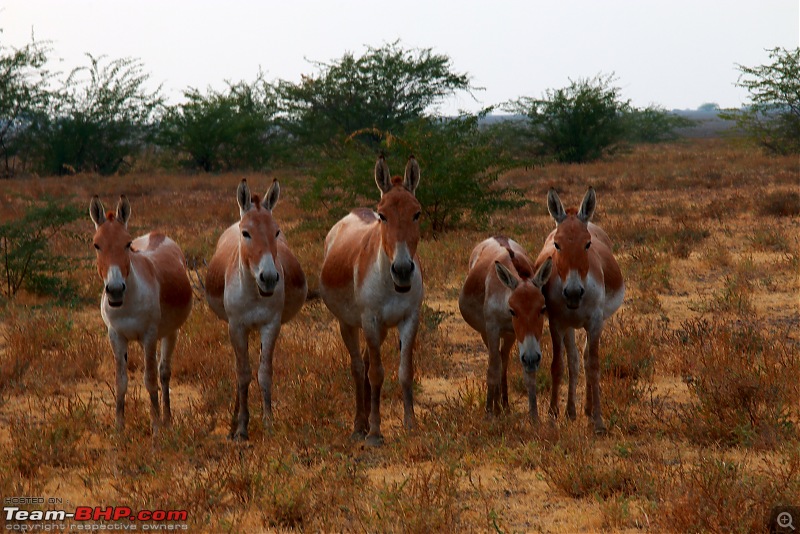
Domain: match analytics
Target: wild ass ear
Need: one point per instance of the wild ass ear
(505, 276)
(123, 210)
(243, 198)
(382, 176)
(588, 205)
(97, 212)
(272, 194)
(543, 274)
(555, 207)
(411, 180)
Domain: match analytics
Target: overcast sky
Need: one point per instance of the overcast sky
(673, 53)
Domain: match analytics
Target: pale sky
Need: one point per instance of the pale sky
(675, 53)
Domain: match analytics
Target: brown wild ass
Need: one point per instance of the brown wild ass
(371, 280)
(254, 282)
(502, 300)
(146, 298)
(585, 290)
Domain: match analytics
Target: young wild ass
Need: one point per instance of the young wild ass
(146, 298)
(254, 282)
(585, 290)
(502, 300)
(371, 280)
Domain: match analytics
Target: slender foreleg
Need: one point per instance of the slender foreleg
(408, 334)
(269, 337)
(119, 345)
(238, 335)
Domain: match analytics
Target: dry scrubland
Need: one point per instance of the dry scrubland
(700, 380)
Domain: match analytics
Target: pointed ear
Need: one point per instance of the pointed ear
(588, 205)
(243, 198)
(97, 212)
(555, 207)
(123, 210)
(411, 179)
(543, 274)
(272, 194)
(505, 276)
(382, 176)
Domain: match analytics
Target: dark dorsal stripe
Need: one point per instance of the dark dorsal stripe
(521, 265)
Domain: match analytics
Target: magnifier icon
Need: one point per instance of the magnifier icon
(785, 520)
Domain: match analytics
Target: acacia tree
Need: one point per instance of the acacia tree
(772, 117)
(577, 123)
(24, 97)
(223, 130)
(102, 118)
(384, 89)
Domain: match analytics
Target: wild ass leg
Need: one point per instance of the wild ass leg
(238, 337)
(408, 333)
(375, 372)
(494, 372)
(164, 374)
(505, 352)
(574, 364)
(350, 338)
(556, 369)
(120, 347)
(269, 336)
(150, 346)
(593, 378)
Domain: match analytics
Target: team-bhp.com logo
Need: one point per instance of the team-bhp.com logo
(117, 518)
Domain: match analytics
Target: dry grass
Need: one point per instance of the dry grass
(699, 372)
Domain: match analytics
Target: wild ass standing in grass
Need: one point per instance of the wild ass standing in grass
(586, 289)
(146, 298)
(254, 282)
(371, 280)
(502, 300)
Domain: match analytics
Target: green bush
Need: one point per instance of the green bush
(25, 260)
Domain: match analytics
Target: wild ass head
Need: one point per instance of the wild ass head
(572, 241)
(399, 211)
(112, 243)
(258, 233)
(527, 306)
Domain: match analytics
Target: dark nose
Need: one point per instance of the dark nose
(403, 271)
(574, 294)
(110, 290)
(531, 361)
(269, 280)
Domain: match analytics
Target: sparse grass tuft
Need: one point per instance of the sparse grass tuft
(779, 204)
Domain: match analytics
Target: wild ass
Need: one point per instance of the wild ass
(586, 289)
(371, 280)
(502, 300)
(146, 298)
(254, 282)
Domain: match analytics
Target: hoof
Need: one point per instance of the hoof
(571, 413)
(374, 440)
(358, 435)
(240, 435)
(600, 429)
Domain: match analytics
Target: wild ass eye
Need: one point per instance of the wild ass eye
(277, 233)
(245, 234)
(128, 246)
(543, 310)
(589, 244)
(513, 314)
(416, 215)
(382, 216)
(96, 246)
(556, 245)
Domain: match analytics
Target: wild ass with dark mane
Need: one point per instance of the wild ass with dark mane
(586, 288)
(502, 300)
(146, 298)
(371, 280)
(254, 282)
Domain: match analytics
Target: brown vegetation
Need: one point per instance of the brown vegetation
(699, 372)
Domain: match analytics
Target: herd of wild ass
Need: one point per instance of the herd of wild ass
(370, 280)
